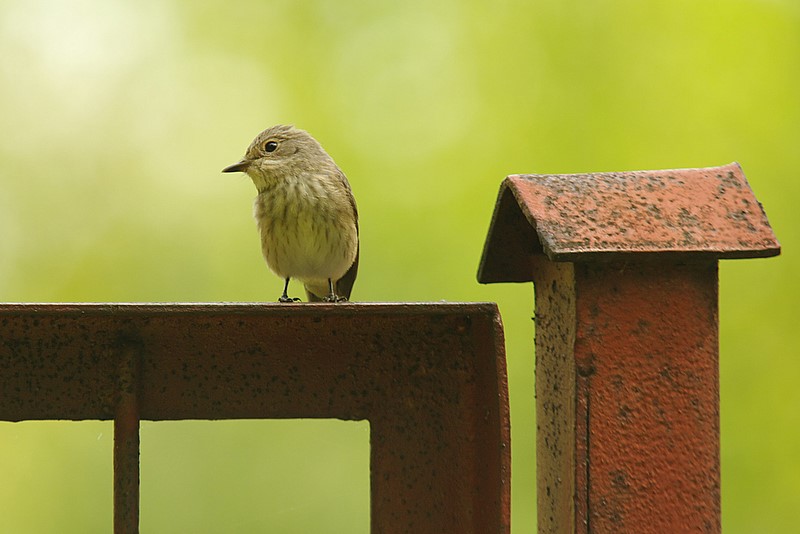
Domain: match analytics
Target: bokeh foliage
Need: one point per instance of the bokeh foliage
(118, 115)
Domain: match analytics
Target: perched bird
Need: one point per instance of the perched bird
(305, 212)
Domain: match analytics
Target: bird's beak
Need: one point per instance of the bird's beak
(237, 167)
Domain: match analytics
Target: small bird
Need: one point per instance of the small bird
(305, 212)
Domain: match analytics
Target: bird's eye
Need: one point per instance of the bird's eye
(270, 146)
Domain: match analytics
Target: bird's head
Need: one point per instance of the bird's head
(280, 152)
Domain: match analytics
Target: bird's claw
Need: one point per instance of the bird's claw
(334, 298)
(284, 299)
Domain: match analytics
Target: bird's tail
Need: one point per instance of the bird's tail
(342, 287)
(311, 296)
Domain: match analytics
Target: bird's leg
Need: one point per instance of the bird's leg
(332, 296)
(286, 298)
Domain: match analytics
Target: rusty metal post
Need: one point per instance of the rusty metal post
(126, 440)
(624, 267)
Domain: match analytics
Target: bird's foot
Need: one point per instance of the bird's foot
(334, 298)
(283, 299)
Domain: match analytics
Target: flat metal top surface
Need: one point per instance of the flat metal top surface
(300, 308)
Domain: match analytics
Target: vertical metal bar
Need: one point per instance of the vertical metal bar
(126, 443)
(647, 341)
(560, 505)
(583, 455)
(627, 369)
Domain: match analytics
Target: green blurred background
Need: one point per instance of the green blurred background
(117, 117)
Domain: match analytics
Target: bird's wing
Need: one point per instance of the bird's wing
(345, 284)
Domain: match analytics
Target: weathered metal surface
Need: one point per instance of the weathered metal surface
(646, 356)
(126, 438)
(627, 397)
(709, 213)
(558, 477)
(430, 378)
(627, 384)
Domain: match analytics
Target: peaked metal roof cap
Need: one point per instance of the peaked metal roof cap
(680, 214)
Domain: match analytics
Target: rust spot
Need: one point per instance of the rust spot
(619, 480)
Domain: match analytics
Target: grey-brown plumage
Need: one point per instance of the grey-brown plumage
(305, 212)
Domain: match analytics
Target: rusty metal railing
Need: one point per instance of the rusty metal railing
(624, 267)
(429, 378)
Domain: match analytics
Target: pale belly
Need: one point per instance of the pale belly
(310, 242)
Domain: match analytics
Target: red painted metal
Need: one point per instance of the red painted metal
(624, 267)
(646, 353)
(670, 214)
(430, 378)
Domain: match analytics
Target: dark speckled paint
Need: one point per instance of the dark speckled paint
(429, 378)
(624, 267)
